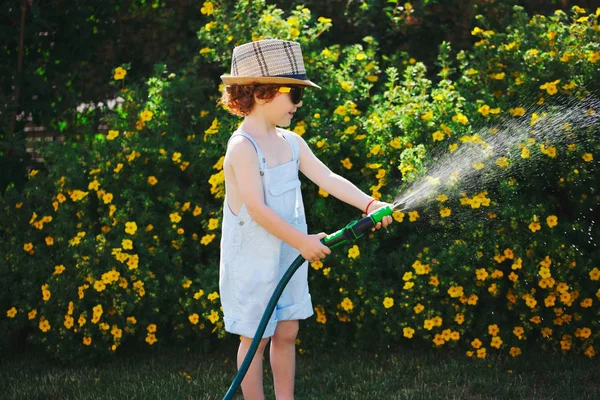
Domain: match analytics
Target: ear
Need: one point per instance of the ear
(259, 101)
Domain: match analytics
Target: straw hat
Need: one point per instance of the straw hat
(268, 61)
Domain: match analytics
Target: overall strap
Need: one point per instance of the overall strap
(293, 142)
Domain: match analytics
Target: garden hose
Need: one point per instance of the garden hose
(347, 234)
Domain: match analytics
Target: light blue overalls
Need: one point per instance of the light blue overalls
(253, 260)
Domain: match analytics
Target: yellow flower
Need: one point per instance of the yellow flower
(99, 286)
(346, 86)
(388, 302)
(107, 198)
(398, 216)
(146, 115)
(552, 221)
(28, 246)
(194, 318)
(535, 226)
(595, 274)
(550, 87)
(594, 57)
(130, 228)
(207, 8)
(11, 313)
(427, 116)
(323, 193)
(496, 342)
(346, 163)
(445, 212)
(44, 325)
(206, 239)
(478, 165)
(213, 223)
(437, 136)
(112, 134)
(94, 185)
(408, 332)
(119, 73)
(515, 351)
(317, 265)
(525, 153)
(484, 110)
(413, 216)
(197, 211)
(482, 274)
(151, 339)
(461, 118)
(418, 308)
(498, 76)
(353, 252)
(587, 157)
(428, 324)
(31, 314)
(213, 317)
(455, 291)
(152, 180)
(58, 269)
(347, 304)
(502, 162)
(213, 296)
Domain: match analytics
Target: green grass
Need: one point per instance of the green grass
(410, 374)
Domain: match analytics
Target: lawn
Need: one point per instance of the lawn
(176, 373)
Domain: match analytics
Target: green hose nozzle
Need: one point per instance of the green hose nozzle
(356, 229)
(347, 234)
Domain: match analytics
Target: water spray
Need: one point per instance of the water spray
(351, 232)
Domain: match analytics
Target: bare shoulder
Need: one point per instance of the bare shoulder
(240, 148)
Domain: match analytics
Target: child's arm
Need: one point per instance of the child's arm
(334, 184)
(242, 157)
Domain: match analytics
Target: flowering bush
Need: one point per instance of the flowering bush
(131, 217)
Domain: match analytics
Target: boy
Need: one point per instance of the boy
(264, 223)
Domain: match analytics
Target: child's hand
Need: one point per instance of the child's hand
(386, 220)
(312, 249)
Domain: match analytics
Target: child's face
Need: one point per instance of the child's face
(280, 110)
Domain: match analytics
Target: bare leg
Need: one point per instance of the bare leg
(252, 385)
(283, 359)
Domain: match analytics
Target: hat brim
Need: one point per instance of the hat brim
(249, 80)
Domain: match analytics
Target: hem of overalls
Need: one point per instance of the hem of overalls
(296, 311)
(248, 328)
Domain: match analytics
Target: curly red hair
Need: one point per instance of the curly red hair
(239, 99)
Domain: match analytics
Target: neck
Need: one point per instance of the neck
(257, 125)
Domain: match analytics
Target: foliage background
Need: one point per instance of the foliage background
(156, 160)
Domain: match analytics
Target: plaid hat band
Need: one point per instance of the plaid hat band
(268, 61)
